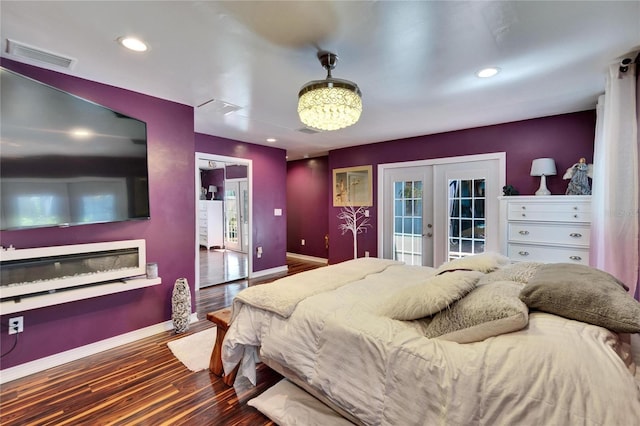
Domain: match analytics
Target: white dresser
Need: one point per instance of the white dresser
(210, 223)
(554, 228)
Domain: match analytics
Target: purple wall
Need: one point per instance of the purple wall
(307, 195)
(565, 138)
(170, 233)
(269, 193)
(213, 177)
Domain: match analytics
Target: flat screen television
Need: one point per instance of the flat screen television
(65, 160)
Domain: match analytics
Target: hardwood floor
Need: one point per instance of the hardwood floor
(220, 266)
(141, 383)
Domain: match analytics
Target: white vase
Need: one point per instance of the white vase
(181, 305)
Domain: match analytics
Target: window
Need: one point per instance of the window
(466, 217)
(407, 217)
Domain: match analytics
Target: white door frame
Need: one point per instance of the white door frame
(223, 159)
(382, 168)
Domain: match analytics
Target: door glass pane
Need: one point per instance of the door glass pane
(466, 217)
(231, 207)
(407, 232)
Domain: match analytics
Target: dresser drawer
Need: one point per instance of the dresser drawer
(548, 254)
(564, 234)
(578, 211)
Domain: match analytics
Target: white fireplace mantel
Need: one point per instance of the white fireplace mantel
(37, 292)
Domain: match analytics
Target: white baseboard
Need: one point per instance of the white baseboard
(308, 258)
(55, 360)
(265, 272)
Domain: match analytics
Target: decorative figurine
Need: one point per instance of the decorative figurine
(509, 190)
(579, 174)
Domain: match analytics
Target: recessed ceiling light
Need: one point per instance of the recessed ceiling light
(80, 133)
(133, 43)
(488, 72)
(271, 140)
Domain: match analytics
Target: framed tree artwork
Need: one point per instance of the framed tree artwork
(352, 186)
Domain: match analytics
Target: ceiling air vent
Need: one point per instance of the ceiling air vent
(308, 130)
(220, 107)
(22, 50)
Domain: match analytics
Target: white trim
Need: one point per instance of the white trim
(308, 258)
(70, 295)
(55, 360)
(265, 272)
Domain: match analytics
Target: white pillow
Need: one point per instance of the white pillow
(287, 405)
(489, 310)
(484, 262)
(429, 297)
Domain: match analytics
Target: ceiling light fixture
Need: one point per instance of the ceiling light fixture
(487, 72)
(329, 104)
(133, 43)
(271, 140)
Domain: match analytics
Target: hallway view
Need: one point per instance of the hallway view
(219, 266)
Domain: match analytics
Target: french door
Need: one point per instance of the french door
(408, 204)
(236, 226)
(433, 211)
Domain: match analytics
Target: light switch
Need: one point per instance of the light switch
(277, 212)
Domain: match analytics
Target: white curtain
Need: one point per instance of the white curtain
(615, 219)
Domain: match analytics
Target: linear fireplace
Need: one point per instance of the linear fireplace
(38, 271)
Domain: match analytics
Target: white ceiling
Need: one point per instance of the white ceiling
(413, 60)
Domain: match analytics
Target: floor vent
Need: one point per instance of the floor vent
(22, 50)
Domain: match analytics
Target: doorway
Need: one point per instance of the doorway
(223, 217)
(432, 211)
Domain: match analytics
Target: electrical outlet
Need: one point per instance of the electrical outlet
(366, 254)
(16, 325)
(302, 242)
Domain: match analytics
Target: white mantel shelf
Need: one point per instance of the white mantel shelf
(70, 295)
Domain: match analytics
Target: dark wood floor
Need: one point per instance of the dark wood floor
(140, 383)
(220, 266)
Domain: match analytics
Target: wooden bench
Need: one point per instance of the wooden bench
(221, 319)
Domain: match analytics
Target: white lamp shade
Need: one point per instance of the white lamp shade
(213, 188)
(543, 167)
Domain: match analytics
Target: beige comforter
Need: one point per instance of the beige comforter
(385, 372)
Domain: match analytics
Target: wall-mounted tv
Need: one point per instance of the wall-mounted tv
(67, 161)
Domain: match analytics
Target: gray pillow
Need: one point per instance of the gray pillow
(429, 297)
(585, 294)
(489, 310)
(519, 272)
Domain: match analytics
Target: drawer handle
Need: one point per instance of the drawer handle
(575, 258)
(524, 232)
(575, 207)
(524, 207)
(575, 235)
(575, 215)
(524, 215)
(523, 253)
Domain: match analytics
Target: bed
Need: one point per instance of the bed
(477, 341)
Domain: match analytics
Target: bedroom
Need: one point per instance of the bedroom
(170, 232)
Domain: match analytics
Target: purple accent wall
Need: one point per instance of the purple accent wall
(269, 193)
(213, 177)
(565, 138)
(307, 195)
(169, 234)
(236, 172)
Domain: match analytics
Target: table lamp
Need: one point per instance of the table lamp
(543, 167)
(213, 189)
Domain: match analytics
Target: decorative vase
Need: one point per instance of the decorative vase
(181, 305)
